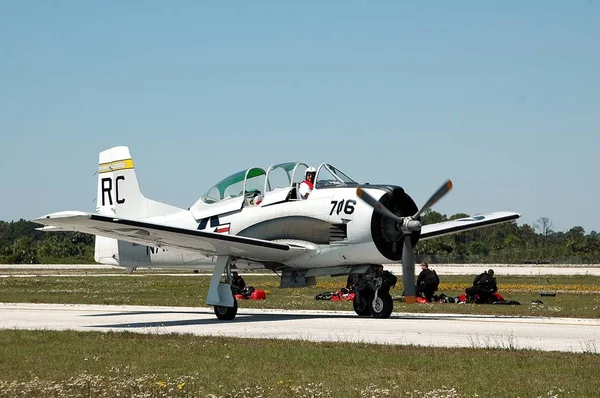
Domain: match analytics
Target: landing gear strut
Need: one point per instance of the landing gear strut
(219, 294)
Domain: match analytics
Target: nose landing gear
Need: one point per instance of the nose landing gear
(372, 296)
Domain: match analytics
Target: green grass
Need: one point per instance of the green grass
(57, 364)
(579, 296)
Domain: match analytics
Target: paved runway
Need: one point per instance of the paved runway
(449, 330)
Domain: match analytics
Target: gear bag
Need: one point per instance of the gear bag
(485, 282)
(432, 278)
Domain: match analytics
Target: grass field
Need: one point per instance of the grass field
(91, 364)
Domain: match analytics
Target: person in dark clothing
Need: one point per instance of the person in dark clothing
(387, 277)
(349, 288)
(427, 282)
(483, 289)
(238, 285)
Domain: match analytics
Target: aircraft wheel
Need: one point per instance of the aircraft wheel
(361, 304)
(383, 306)
(226, 313)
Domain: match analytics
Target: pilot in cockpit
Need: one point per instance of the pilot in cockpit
(307, 185)
(253, 197)
(256, 199)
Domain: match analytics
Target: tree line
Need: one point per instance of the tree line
(21, 243)
(510, 243)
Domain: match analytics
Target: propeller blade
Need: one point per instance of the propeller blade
(378, 207)
(443, 190)
(408, 271)
(408, 225)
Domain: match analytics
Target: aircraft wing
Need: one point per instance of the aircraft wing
(166, 236)
(463, 224)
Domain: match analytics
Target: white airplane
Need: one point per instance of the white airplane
(341, 228)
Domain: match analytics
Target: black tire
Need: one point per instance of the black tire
(384, 305)
(226, 313)
(360, 303)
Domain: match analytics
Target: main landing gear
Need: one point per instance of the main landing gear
(219, 294)
(372, 293)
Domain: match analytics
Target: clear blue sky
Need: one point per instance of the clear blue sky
(501, 96)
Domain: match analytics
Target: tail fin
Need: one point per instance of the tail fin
(119, 195)
(118, 189)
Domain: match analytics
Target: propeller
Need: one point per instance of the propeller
(407, 225)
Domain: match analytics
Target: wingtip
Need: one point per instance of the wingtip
(60, 214)
(48, 228)
(449, 184)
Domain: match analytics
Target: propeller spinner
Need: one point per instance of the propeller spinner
(407, 225)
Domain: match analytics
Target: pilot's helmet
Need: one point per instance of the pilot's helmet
(311, 170)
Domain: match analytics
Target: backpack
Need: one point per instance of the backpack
(432, 278)
(485, 282)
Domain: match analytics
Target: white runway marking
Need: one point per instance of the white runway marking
(447, 330)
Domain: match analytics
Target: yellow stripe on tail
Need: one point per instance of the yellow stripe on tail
(116, 165)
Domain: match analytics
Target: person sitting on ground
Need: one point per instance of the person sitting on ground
(483, 289)
(427, 282)
(238, 285)
(307, 186)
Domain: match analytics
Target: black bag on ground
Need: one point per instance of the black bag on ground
(506, 302)
(325, 295)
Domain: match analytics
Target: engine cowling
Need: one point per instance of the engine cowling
(385, 232)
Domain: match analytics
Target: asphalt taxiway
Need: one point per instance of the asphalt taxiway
(444, 330)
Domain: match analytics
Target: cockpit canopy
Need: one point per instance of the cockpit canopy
(278, 177)
(330, 176)
(284, 175)
(235, 185)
